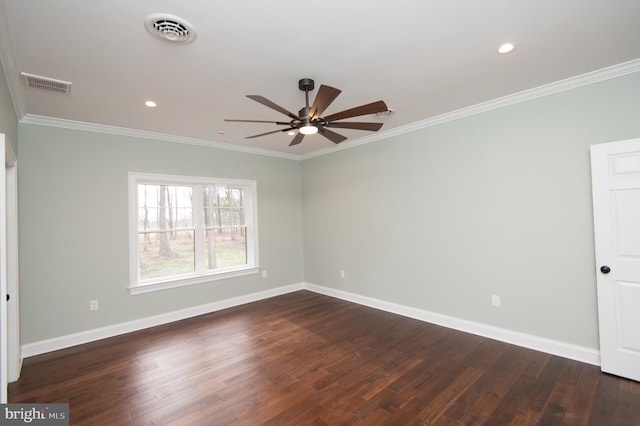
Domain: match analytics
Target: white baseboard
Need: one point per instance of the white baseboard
(69, 340)
(565, 350)
(554, 347)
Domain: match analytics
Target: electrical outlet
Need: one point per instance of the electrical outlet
(93, 305)
(264, 273)
(342, 273)
(495, 300)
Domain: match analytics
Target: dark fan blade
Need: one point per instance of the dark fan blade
(266, 102)
(371, 108)
(281, 123)
(268, 133)
(374, 127)
(331, 135)
(326, 95)
(297, 139)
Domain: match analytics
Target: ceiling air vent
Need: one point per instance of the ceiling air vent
(169, 28)
(45, 83)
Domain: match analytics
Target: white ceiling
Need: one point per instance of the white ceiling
(423, 58)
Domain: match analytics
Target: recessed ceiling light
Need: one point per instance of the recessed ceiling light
(151, 104)
(506, 48)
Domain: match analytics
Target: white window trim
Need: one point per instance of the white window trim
(251, 212)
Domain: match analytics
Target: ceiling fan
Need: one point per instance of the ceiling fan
(309, 120)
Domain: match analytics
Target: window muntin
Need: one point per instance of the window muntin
(188, 230)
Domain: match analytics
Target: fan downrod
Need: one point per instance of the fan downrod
(306, 84)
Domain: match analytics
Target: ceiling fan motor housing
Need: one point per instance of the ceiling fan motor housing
(304, 115)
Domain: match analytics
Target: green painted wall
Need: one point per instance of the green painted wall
(74, 223)
(438, 219)
(8, 120)
(497, 203)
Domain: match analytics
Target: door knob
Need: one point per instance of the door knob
(605, 269)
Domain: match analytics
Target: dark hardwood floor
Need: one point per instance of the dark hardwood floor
(304, 358)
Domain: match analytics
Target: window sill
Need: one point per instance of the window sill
(185, 281)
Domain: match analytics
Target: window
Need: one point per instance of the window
(187, 230)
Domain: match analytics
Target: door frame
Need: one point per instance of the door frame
(10, 359)
(14, 353)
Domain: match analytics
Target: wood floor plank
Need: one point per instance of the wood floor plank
(308, 359)
(484, 394)
(438, 406)
(627, 401)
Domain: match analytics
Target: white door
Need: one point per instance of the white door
(615, 171)
(3, 280)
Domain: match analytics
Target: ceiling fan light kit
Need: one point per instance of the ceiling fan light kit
(309, 119)
(309, 129)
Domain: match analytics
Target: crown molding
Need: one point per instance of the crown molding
(144, 134)
(608, 73)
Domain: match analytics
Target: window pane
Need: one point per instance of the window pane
(223, 207)
(236, 197)
(238, 216)
(209, 197)
(225, 217)
(165, 254)
(225, 247)
(221, 196)
(164, 207)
